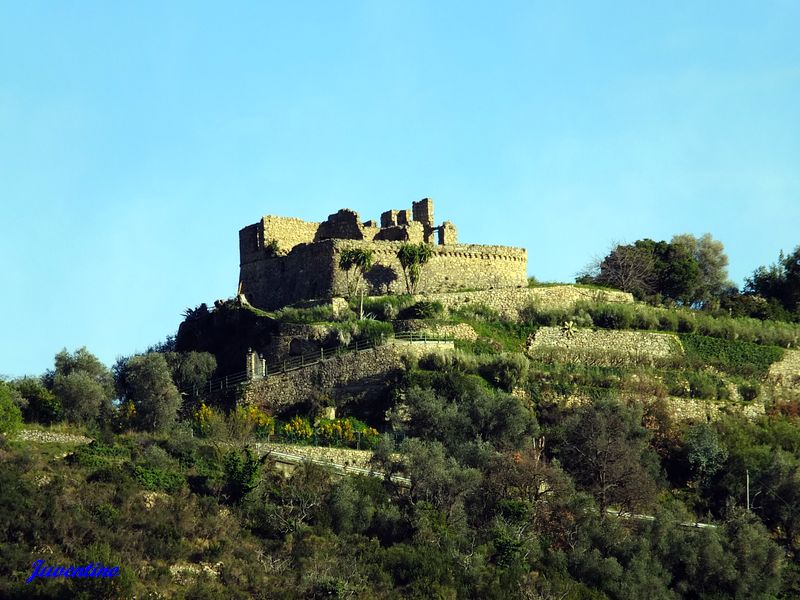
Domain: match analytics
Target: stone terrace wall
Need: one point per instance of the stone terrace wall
(374, 368)
(786, 373)
(612, 344)
(687, 409)
(367, 367)
(341, 456)
(509, 302)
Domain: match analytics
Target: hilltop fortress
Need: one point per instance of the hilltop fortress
(286, 260)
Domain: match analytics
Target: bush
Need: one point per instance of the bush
(314, 314)
(732, 356)
(263, 424)
(422, 310)
(385, 308)
(158, 479)
(507, 370)
(298, 430)
(667, 321)
(98, 455)
(701, 385)
(10, 415)
(613, 316)
(686, 323)
(646, 319)
(345, 432)
(43, 407)
(207, 422)
(374, 331)
(749, 390)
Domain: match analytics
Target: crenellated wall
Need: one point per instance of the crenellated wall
(312, 271)
(305, 265)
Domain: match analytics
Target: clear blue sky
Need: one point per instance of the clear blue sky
(137, 138)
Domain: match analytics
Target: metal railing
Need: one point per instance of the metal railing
(309, 359)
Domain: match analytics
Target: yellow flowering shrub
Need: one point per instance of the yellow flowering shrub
(263, 424)
(298, 429)
(203, 418)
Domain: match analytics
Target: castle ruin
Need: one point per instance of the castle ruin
(286, 260)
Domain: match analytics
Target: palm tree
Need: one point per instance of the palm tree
(355, 262)
(412, 258)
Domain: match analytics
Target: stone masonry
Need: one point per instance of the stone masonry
(285, 260)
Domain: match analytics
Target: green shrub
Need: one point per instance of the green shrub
(749, 390)
(646, 319)
(158, 479)
(478, 312)
(314, 314)
(507, 370)
(613, 316)
(422, 310)
(667, 321)
(374, 331)
(384, 308)
(732, 356)
(533, 314)
(10, 415)
(686, 323)
(43, 407)
(97, 455)
(701, 385)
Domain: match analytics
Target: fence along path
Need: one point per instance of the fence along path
(309, 359)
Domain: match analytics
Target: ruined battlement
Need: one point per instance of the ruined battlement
(286, 260)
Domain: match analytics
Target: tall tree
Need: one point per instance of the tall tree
(150, 389)
(10, 415)
(626, 267)
(712, 262)
(604, 447)
(83, 385)
(190, 369)
(412, 258)
(646, 268)
(779, 282)
(355, 262)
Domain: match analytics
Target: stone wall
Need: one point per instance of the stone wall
(458, 331)
(509, 302)
(339, 456)
(305, 266)
(450, 268)
(786, 372)
(373, 367)
(312, 271)
(605, 346)
(687, 409)
(288, 232)
(305, 273)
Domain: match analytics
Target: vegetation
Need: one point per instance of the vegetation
(413, 258)
(680, 320)
(355, 262)
(10, 414)
(521, 476)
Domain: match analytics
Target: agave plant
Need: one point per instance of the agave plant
(568, 328)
